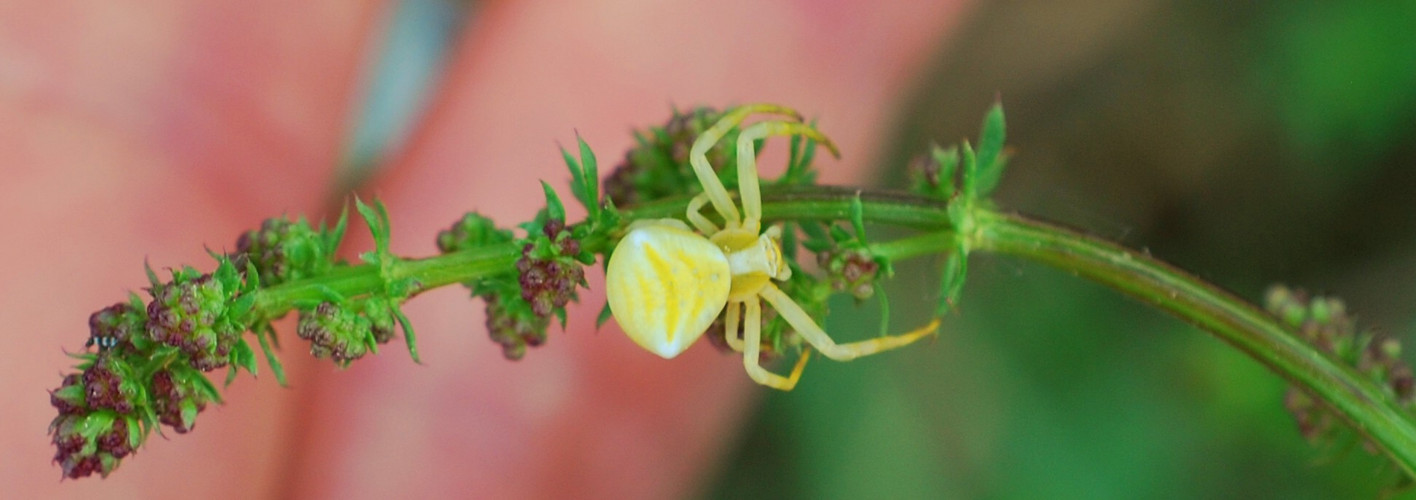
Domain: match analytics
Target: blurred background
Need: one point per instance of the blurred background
(1249, 143)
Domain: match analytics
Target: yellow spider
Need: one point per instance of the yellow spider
(666, 284)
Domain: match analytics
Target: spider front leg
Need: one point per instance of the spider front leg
(695, 215)
(752, 350)
(749, 192)
(713, 188)
(814, 335)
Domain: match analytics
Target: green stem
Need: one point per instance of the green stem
(1359, 401)
(1367, 407)
(354, 281)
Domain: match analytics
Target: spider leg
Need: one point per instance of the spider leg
(695, 215)
(730, 326)
(818, 338)
(749, 192)
(752, 331)
(698, 156)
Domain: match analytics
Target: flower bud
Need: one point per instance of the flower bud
(851, 271)
(658, 166)
(283, 250)
(93, 442)
(116, 326)
(512, 323)
(183, 313)
(549, 271)
(106, 385)
(340, 334)
(177, 399)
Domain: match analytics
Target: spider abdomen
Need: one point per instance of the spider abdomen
(665, 285)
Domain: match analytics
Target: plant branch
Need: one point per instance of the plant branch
(1364, 405)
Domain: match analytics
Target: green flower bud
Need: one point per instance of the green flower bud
(283, 250)
(512, 323)
(473, 231)
(117, 326)
(549, 271)
(93, 442)
(337, 333)
(851, 271)
(177, 398)
(185, 313)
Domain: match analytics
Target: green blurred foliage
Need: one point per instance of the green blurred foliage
(1345, 73)
(1249, 143)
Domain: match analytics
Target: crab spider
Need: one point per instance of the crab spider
(666, 283)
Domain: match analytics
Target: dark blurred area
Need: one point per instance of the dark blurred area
(1247, 142)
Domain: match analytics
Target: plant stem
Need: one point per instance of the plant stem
(1367, 407)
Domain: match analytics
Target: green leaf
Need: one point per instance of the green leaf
(253, 278)
(591, 177)
(955, 267)
(408, 336)
(607, 217)
(991, 157)
(605, 315)
(799, 157)
(262, 332)
(185, 374)
(135, 433)
(333, 237)
(554, 209)
(584, 178)
(789, 241)
(96, 422)
(240, 308)
(948, 170)
(376, 217)
(152, 276)
(245, 357)
(858, 217)
(813, 230)
(577, 177)
(970, 172)
(884, 308)
(793, 157)
(189, 413)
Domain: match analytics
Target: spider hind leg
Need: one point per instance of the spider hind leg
(814, 335)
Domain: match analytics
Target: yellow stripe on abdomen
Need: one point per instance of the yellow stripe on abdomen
(666, 285)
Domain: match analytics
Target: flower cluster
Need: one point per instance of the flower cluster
(850, 270)
(148, 367)
(658, 165)
(1325, 323)
(150, 359)
(191, 313)
(107, 409)
(339, 333)
(284, 250)
(550, 267)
